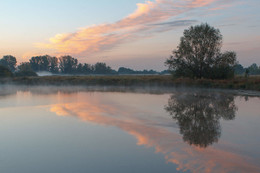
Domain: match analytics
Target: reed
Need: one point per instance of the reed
(250, 83)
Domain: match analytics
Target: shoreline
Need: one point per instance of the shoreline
(237, 83)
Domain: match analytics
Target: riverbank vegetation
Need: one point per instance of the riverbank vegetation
(65, 65)
(250, 83)
(52, 65)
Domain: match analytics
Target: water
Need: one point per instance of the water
(58, 130)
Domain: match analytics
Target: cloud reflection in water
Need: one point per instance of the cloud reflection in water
(157, 133)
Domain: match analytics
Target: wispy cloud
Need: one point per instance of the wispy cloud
(149, 18)
(177, 23)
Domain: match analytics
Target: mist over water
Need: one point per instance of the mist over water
(128, 129)
(45, 73)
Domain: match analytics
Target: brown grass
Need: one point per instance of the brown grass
(251, 83)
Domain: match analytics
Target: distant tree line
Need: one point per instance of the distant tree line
(64, 65)
(251, 70)
(71, 66)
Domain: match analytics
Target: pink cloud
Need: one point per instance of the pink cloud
(135, 26)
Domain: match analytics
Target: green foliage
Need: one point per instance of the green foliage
(53, 64)
(9, 61)
(198, 55)
(68, 64)
(123, 70)
(251, 70)
(239, 69)
(254, 69)
(44, 63)
(80, 68)
(250, 83)
(247, 72)
(25, 66)
(39, 63)
(102, 68)
(63, 65)
(5, 72)
(87, 69)
(25, 69)
(25, 73)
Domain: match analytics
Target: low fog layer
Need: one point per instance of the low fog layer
(13, 89)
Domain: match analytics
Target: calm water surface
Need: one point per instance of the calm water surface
(51, 130)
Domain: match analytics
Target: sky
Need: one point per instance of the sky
(136, 34)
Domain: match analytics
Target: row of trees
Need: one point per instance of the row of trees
(65, 65)
(251, 70)
(70, 65)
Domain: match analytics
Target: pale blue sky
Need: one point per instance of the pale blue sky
(89, 29)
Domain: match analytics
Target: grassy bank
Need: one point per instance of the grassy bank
(251, 83)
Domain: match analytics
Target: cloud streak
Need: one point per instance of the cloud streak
(177, 23)
(149, 18)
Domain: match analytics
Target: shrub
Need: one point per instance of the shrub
(5, 72)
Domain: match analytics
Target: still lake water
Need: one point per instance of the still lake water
(58, 130)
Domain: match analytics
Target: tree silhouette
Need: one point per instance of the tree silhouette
(198, 114)
(102, 68)
(44, 63)
(68, 64)
(53, 64)
(9, 61)
(199, 55)
(25, 69)
(5, 72)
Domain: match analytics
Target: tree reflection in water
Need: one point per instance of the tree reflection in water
(198, 114)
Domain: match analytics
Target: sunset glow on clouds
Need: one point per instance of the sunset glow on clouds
(144, 22)
(137, 34)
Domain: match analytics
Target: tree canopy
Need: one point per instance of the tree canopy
(9, 61)
(25, 69)
(199, 55)
(68, 64)
(44, 63)
(5, 72)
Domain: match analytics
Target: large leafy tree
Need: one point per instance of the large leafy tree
(44, 63)
(88, 69)
(254, 69)
(25, 69)
(102, 68)
(199, 55)
(53, 64)
(5, 72)
(39, 63)
(25, 66)
(68, 64)
(9, 61)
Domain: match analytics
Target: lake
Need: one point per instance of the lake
(126, 130)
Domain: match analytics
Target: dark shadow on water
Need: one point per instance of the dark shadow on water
(198, 115)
